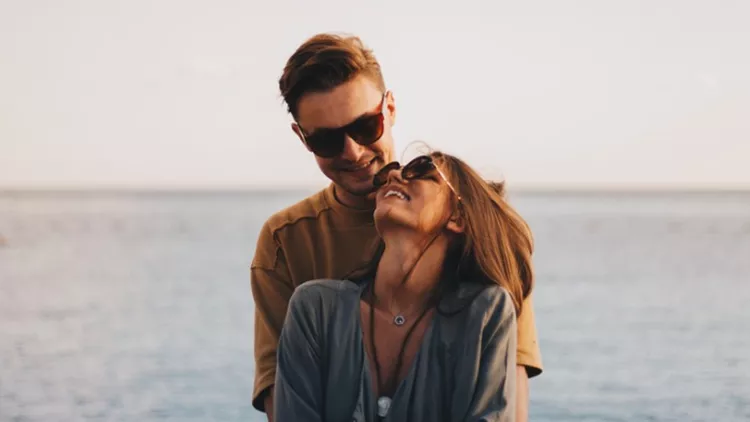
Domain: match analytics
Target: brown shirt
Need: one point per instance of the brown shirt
(320, 238)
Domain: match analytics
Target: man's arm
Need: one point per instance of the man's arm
(272, 289)
(522, 394)
(268, 403)
(529, 359)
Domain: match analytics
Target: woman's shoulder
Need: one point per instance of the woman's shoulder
(323, 291)
(495, 297)
(481, 299)
(325, 285)
(322, 305)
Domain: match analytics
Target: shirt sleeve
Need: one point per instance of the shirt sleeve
(494, 397)
(298, 393)
(528, 354)
(272, 289)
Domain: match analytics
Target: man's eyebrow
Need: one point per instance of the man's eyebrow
(366, 113)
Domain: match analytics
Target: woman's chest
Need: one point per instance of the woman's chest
(425, 383)
(391, 345)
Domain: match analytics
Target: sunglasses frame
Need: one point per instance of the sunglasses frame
(381, 114)
(395, 165)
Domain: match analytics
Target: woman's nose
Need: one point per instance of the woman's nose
(395, 175)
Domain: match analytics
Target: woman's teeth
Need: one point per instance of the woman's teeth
(397, 194)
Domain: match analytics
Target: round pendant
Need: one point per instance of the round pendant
(384, 404)
(399, 320)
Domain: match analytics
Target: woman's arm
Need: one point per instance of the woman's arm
(298, 390)
(494, 398)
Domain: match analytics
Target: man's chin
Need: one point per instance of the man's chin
(356, 188)
(359, 185)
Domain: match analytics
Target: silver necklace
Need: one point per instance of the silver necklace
(384, 402)
(384, 405)
(399, 319)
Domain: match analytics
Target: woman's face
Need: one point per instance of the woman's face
(423, 205)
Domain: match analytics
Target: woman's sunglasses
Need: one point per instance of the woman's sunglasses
(418, 168)
(366, 130)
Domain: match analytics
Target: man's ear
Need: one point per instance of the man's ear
(391, 107)
(298, 131)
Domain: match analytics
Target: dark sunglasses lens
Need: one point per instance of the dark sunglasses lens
(367, 130)
(381, 177)
(418, 167)
(326, 143)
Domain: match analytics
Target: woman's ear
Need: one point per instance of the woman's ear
(456, 223)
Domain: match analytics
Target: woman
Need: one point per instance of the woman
(428, 333)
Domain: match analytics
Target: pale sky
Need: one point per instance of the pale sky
(183, 93)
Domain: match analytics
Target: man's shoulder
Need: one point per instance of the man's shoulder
(309, 208)
(268, 243)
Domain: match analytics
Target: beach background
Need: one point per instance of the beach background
(144, 143)
(137, 306)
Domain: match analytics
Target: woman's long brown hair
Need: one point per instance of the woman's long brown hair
(496, 245)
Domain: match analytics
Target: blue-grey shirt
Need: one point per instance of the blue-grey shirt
(463, 371)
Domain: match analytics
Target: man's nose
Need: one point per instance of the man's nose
(353, 151)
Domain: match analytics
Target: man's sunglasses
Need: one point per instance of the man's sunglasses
(418, 168)
(366, 130)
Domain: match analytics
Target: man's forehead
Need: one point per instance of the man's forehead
(338, 107)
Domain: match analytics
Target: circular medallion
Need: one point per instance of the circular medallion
(399, 320)
(384, 404)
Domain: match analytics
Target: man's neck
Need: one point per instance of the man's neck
(349, 200)
(402, 252)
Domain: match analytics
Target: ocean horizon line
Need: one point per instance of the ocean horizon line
(306, 189)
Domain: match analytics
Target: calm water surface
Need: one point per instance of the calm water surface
(137, 307)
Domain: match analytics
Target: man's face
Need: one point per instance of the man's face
(351, 170)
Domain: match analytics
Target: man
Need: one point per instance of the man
(343, 114)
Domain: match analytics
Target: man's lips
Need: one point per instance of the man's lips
(359, 166)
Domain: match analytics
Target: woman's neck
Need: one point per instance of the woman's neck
(396, 288)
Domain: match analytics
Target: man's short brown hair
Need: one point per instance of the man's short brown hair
(324, 62)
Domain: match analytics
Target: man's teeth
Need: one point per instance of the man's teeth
(361, 166)
(395, 193)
